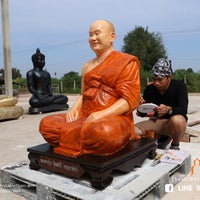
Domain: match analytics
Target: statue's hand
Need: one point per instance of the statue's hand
(72, 115)
(95, 116)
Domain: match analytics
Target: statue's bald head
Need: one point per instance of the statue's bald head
(104, 23)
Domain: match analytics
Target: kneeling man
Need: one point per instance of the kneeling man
(171, 97)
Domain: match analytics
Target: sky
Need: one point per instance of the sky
(60, 28)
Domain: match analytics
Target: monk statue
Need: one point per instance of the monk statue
(39, 85)
(101, 121)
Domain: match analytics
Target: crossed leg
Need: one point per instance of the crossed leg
(174, 127)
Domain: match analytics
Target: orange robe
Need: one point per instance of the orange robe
(104, 85)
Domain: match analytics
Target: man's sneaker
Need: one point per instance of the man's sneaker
(175, 146)
(163, 141)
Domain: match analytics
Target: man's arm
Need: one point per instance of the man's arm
(182, 100)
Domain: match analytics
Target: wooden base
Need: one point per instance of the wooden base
(49, 108)
(98, 167)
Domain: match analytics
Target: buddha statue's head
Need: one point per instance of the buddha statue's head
(38, 59)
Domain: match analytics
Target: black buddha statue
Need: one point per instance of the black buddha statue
(39, 85)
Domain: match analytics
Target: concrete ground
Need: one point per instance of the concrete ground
(17, 135)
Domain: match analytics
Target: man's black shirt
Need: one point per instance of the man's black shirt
(175, 96)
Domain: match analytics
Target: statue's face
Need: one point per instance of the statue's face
(40, 61)
(101, 36)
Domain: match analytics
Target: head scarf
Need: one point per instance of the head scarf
(162, 68)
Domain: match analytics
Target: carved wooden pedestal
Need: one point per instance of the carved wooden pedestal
(98, 167)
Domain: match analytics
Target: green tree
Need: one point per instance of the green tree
(145, 78)
(189, 77)
(71, 82)
(20, 84)
(15, 73)
(148, 47)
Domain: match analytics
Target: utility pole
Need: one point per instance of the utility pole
(6, 48)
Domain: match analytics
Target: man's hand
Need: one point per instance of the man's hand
(139, 113)
(162, 110)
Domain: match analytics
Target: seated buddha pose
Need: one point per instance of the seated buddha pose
(39, 84)
(101, 121)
